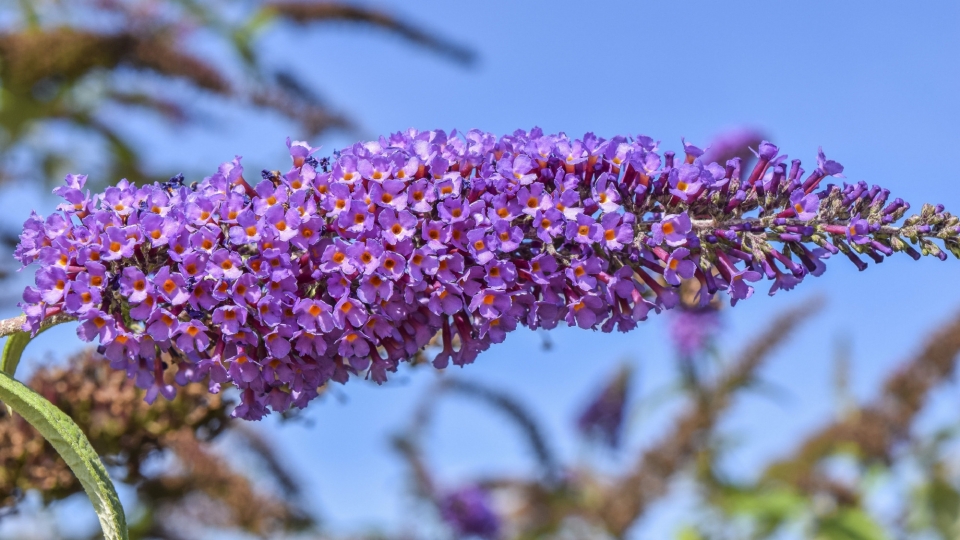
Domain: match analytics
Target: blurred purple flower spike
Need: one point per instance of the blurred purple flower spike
(469, 513)
(603, 418)
(692, 329)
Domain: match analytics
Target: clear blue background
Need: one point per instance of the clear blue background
(876, 84)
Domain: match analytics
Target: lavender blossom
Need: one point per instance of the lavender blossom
(331, 270)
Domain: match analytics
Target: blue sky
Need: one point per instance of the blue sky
(876, 86)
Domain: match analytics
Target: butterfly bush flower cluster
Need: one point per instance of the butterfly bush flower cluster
(354, 264)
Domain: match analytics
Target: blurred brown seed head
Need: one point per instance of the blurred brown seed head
(111, 411)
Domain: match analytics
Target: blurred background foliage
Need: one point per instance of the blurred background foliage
(66, 64)
(68, 68)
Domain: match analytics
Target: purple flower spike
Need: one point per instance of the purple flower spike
(326, 271)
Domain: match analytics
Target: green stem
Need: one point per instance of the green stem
(15, 324)
(59, 429)
(69, 441)
(17, 339)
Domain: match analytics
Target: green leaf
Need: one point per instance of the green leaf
(72, 445)
(850, 524)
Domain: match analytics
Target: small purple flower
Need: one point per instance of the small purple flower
(490, 303)
(435, 234)
(161, 325)
(225, 264)
(285, 224)
(804, 206)
(500, 274)
(206, 239)
(158, 229)
(542, 268)
(82, 298)
(519, 169)
(393, 265)
(673, 229)
(422, 262)
(421, 196)
(857, 230)
(269, 196)
(145, 309)
(397, 226)
(678, 266)
(357, 219)
(300, 151)
(549, 224)
(95, 323)
(532, 199)
(739, 290)
(584, 230)
(685, 182)
(192, 336)
(446, 299)
(229, 319)
(692, 152)
(389, 194)
(374, 288)
(582, 273)
(171, 286)
(123, 345)
(583, 311)
(449, 185)
(119, 242)
(479, 244)
(335, 257)
(454, 210)
(269, 311)
(134, 285)
(508, 237)
(828, 166)
(349, 311)
(193, 264)
(247, 229)
(616, 231)
(119, 198)
(53, 283)
(277, 345)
